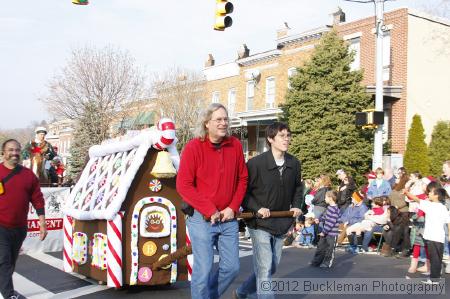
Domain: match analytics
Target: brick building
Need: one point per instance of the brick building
(415, 63)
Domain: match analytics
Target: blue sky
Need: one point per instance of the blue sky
(36, 37)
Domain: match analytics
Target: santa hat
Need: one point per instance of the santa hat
(357, 197)
(431, 178)
(371, 175)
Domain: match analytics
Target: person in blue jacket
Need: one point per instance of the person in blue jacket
(352, 214)
(379, 187)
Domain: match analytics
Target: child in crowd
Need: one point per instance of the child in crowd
(324, 255)
(306, 232)
(418, 226)
(324, 185)
(436, 216)
(414, 185)
(293, 233)
(354, 213)
(375, 216)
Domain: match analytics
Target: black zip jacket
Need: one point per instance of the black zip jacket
(268, 189)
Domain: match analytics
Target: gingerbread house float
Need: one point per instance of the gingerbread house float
(121, 217)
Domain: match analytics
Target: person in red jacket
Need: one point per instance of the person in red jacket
(212, 178)
(19, 187)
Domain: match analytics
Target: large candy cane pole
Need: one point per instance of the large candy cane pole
(67, 251)
(190, 258)
(114, 252)
(167, 131)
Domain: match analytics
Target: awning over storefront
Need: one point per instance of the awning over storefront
(135, 122)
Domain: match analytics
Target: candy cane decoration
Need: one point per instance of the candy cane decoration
(190, 258)
(166, 127)
(114, 252)
(67, 251)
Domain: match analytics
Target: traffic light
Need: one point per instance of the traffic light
(223, 7)
(80, 2)
(369, 119)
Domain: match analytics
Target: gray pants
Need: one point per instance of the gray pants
(11, 240)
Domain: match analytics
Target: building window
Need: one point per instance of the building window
(250, 94)
(355, 47)
(215, 97)
(386, 55)
(231, 101)
(270, 92)
(291, 73)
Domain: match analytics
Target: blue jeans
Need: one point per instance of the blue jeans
(266, 257)
(205, 282)
(368, 236)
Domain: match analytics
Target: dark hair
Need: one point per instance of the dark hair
(403, 173)
(432, 186)
(441, 193)
(417, 174)
(393, 213)
(401, 183)
(8, 141)
(379, 200)
(273, 129)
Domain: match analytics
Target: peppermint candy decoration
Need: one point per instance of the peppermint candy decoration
(155, 185)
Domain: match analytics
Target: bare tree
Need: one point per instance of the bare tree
(94, 88)
(180, 95)
(439, 8)
(95, 84)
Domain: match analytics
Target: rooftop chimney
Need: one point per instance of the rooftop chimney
(282, 32)
(243, 51)
(338, 16)
(210, 61)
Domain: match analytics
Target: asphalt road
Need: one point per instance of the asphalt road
(38, 276)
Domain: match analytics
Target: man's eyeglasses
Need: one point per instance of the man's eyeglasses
(285, 136)
(220, 120)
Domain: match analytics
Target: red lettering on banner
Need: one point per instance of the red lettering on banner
(52, 224)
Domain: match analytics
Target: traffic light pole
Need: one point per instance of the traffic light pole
(378, 139)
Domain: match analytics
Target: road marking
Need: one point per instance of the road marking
(29, 289)
(245, 246)
(80, 291)
(57, 264)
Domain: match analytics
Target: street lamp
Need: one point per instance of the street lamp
(379, 27)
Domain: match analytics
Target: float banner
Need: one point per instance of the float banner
(54, 201)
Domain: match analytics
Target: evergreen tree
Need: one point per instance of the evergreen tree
(439, 149)
(320, 109)
(88, 132)
(416, 154)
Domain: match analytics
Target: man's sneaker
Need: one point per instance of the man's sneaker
(324, 266)
(429, 281)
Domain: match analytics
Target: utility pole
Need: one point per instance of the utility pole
(377, 160)
(378, 140)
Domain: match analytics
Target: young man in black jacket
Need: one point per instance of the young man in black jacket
(274, 184)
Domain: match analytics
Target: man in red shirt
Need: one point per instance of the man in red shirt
(212, 178)
(20, 187)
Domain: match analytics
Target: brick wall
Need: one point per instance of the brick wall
(398, 19)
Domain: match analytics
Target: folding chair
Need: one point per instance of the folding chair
(380, 239)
